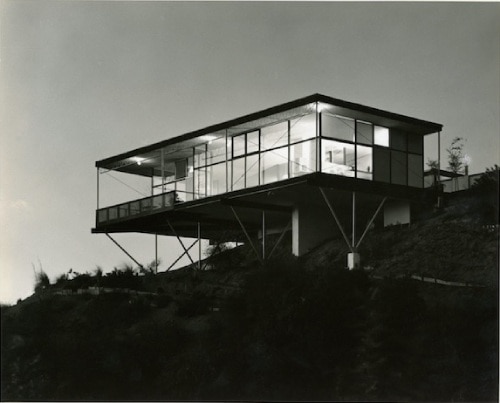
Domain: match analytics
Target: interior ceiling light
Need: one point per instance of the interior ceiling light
(138, 160)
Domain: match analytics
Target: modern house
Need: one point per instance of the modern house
(316, 167)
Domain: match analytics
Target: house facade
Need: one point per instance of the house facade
(313, 167)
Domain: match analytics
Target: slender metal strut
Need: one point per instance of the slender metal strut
(336, 220)
(128, 254)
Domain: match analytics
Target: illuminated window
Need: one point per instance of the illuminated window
(274, 165)
(303, 128)
(381, 136)
(303, 158)
(238, 145)
(274, 136)
(252, 142)
(338, 158)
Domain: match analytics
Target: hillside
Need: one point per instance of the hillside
(297, 329)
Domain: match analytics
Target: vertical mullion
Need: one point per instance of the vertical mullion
(289, 149)
(355, 148)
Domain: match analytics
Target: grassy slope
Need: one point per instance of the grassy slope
(296, 330)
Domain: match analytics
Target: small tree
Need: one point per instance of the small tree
(456, 155)
(41, 280)
(434, 166)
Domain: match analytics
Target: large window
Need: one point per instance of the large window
(274, 165)
(216, 179)
(303, 128)
(303, 158)
(274, 136)
(338, 158)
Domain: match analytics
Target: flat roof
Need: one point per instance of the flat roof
(344, 108)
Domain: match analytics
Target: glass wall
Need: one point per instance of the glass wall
(360, 149)
(298, 145)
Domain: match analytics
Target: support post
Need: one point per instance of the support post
(98, 188)
(439, 159)
(156, 253)
(263, 235)
(128, 254)
(199, 245)
(246, 234)
(354, 221)
(332, 211)
(180, 241)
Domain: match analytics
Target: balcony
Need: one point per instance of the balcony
(136, 208)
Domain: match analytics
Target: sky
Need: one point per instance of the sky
(82, 81)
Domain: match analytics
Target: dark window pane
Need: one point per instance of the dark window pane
(180, 169)
(364, 163)
(364, 133)
(381, 165)
(399, 167)
(415, 144)
(337, 127)
(398, 140)
(415, 175)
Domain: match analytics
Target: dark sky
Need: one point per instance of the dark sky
(81, 81)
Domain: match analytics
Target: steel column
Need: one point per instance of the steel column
(199, 245)
(354, 221)
(156, 253)
(98, 188)
(263, 235)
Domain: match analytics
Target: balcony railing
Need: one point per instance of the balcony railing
(136, 207)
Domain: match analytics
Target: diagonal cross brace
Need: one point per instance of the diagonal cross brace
(181, 256)
(371, 221)
(186, 251)
(246, 234)
(330, 207)
(123, 249)
(280, 238)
